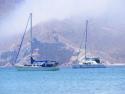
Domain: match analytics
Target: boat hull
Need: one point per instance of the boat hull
(89, 66)
(30, 68)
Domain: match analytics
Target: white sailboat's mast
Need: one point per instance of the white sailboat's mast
(86, 37)
(31, 34)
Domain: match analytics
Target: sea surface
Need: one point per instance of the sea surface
(64, 81)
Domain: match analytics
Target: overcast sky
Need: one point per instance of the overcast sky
(13, 21)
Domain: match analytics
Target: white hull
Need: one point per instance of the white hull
(89, 66)
(36, 68)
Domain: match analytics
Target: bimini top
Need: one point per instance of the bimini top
(91, 59)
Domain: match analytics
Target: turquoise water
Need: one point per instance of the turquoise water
(64, 81)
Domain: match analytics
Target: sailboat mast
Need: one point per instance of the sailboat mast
(86, 37)
(31, 35)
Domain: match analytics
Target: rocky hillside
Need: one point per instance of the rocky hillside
(60, 41)
(41, 51)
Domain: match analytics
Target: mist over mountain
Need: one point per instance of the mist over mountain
(61, 25)
(7, 6)
(60, 40)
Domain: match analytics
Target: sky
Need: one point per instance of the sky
(45, 10)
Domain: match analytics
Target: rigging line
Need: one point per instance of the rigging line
(84, 34)
(22, 40)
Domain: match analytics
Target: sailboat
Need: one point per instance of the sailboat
(88, 62)
(35, 65)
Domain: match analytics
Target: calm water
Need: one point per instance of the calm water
(65, 81)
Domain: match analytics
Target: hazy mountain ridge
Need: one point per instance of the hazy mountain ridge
(60, 40)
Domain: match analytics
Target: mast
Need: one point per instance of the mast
(86, 37)
(31, 51)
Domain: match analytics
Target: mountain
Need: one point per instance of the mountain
(60, 41)
(41, 51)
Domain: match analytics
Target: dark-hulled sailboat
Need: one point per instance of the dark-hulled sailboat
(35, 65)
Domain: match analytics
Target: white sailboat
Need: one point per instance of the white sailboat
(88, 62)
(35, 65)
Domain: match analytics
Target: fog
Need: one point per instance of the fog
(112, 11)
